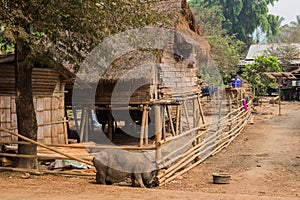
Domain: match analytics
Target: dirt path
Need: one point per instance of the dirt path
(264, 162)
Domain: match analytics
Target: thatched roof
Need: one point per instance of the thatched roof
(181, 20)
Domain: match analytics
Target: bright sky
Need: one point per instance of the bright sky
(288, 9)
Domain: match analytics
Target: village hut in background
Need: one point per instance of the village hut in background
(48, 88)
(140, 80)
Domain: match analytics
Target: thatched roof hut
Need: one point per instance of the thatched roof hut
(145, 75)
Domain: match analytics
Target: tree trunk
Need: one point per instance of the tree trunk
(26, 117)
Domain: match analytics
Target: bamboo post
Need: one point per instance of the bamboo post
(82, 124)
(279, 94)
(87, 125)
(230, 110)
(75, 118)
(164, 131)
(110, 126)
(171, 121)
(201, 110)
(66, 130)
(142, 134)
(186, 114)
(178, 117)
(146, 125)
(195, 113)
(45, 146)
(158, 132)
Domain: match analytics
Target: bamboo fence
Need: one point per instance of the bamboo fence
(197, 142)
(205, 143)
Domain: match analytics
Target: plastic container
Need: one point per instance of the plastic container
(236, 82)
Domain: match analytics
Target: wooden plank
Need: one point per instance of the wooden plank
(47, 116)
(40, 104)
(40, 133)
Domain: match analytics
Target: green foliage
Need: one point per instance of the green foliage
(287, 33)
(243, 17)
(224, 47)
(65, 31)
(254, 73)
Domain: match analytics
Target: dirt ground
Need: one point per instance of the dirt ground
(264, 163)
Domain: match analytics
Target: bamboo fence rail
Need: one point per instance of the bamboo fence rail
(219, 135)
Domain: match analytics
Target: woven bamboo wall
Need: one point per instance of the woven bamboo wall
(124, 91)
(50, 116)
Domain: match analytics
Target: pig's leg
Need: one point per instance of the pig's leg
(100, 178)
(133, 184)
(138, 178)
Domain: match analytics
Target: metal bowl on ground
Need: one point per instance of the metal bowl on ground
(221, 178)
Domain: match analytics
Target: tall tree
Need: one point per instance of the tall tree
(243, 17)
(57, 31)
(224, 47)
(288, 33)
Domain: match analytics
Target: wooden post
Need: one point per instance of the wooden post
(82, 123)
(142, 135)
(75, 119)
(201, 110)
(158, 131)
(66, 131)
(186, 114)
(146, 125)
(164, 131)
(86, 126)
(229, 121)
(178, 117)
(195, 113)
(279, 94)
(110, 125)
(171, 120)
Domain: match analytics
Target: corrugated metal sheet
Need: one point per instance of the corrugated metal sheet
(258, 49)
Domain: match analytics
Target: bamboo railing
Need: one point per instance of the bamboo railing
(217, 136)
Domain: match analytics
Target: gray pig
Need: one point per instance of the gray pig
(115, 165)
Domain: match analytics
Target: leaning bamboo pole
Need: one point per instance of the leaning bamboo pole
(45, 146)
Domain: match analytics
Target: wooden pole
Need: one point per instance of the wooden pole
(17, 155)
(142, 135)
(158, 131)
(186, 114)
(75, 118)
(201, 110)
(82, 123)
(279, 94)
(66, 131)
(178, 117)
(146, 125)
(87, 125)
(110, 125)
(171, 121)
(45, 146)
